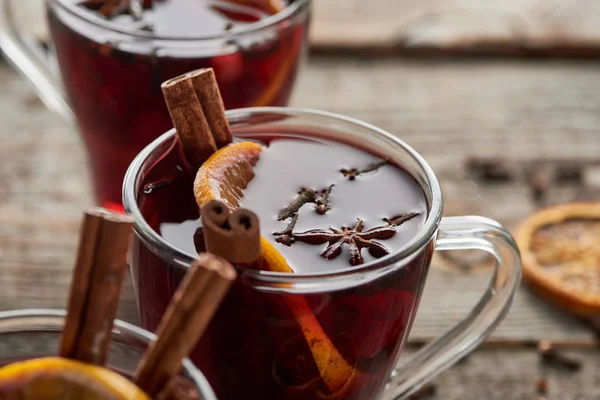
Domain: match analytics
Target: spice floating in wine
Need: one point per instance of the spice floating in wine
(298, 183)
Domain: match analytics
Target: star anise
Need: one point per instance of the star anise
(355, 238)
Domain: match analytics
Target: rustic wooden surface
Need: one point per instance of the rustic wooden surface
(502, 27)
(533, 116)
(514, 374)
(526, 27)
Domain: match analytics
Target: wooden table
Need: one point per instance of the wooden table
(538, 120)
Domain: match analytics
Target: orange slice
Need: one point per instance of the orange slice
(55, 378)
(226, 173)
(223, 177)
(560, 249)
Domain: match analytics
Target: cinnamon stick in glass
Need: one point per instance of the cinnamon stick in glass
(233, 236)
(198, 114)
(96, 286)
(187, 316)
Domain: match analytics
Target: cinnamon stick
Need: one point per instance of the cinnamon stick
(198, 114)
(184, 322)
(233, 236)
(96, 286)
(207, 91)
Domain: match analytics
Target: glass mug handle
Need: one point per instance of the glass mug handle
(461, 233)
(32, 63)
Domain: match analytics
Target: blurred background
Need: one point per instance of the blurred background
(499, 97)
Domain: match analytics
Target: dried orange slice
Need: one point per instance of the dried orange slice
(560, 249)
(56, 378)
(223, 177)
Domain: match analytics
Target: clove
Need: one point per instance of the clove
(550, 356)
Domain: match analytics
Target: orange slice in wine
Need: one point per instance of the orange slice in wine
(223, 177)
(226, 173)
(560, 249)
(56, 378)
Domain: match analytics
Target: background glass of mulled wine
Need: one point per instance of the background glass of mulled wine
(34, 333)
(254, 344)
(111, 74)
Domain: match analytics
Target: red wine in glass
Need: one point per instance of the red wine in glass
(255, 340)
(112, 67)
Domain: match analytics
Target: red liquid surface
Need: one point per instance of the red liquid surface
(113, 81)
(255, 345)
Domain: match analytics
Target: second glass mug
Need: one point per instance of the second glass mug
(111, 76)
(34, 333)
(398, 279)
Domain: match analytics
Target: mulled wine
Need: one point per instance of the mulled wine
(325, 206)
(113, 62)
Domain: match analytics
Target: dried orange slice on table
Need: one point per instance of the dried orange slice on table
(53, 378)
(560, 249)
(223, 177)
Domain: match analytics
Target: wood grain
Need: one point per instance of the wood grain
(524, 27)
(510, 27)
(503, 374)
(526, 113)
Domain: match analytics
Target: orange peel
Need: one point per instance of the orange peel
(561, 257)
(53, 378)
(271, 6)
(223, 177)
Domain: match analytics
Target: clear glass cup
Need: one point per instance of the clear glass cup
(111, 75)
(246, 335)
(33, 333)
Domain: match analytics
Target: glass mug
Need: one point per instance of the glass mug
(111, 76)
(33, 333)
(249, 340)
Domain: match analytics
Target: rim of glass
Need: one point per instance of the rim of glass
(291, 10)
(56, 317)
(158, 244)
